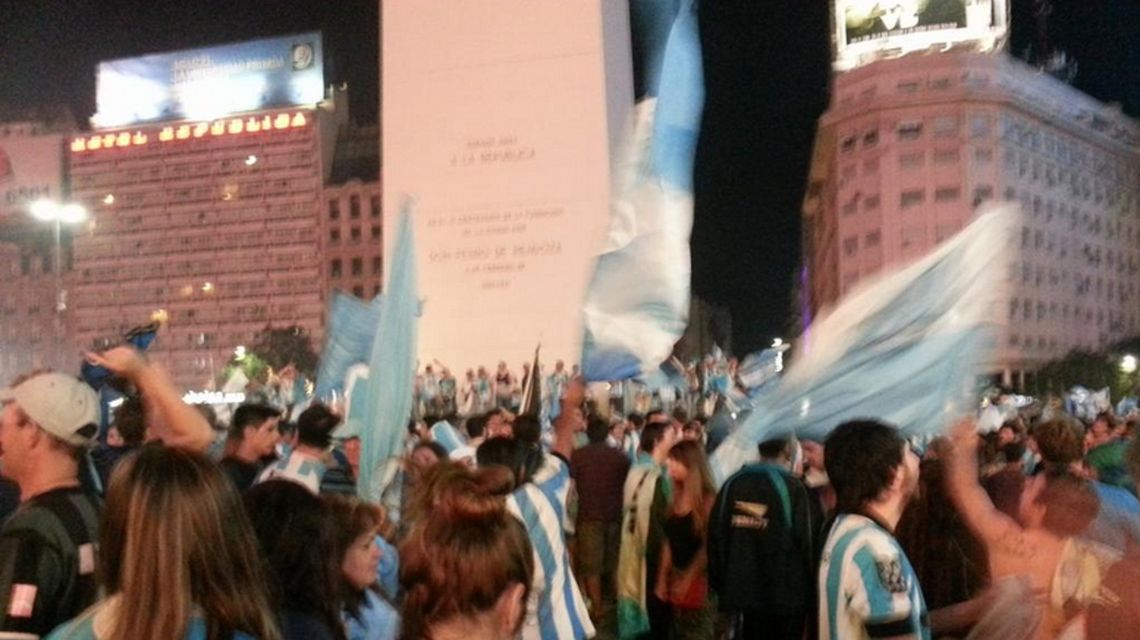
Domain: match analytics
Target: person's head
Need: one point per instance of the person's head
(597, 429)
(869, 463)
(521, 459)
(470, 374)
(175, 540)
(559, 366)
(776, 451)
(476, 426)
(352, 451)
(48, 420)
(689, 468)
(1102, 429)
(502, 367)
(297, 537)
(635, 421)
(652, 435)
(467, 563)
(357, 524)
(426, 455)
(1013, 453)
(254, 429)
(498, 426)
(315, 426)
(427, 370)
(130, 421)
(527, 428)
(1060, 441)
(656, 416)
(1058, 501)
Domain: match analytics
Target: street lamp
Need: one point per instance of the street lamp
(1128, 364)
(59, 214)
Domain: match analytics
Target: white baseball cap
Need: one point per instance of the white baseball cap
(62, 405)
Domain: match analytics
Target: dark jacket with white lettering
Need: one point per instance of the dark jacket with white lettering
(762, 543)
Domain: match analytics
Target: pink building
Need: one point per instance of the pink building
(212, 225)
(910, 147)
(351, 223)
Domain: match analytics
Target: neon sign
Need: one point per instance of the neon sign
(215, 128)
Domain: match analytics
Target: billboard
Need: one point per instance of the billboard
(867, 30)
(31, 167)
(500, 117)
(205, 84)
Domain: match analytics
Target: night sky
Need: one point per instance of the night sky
(766, 73)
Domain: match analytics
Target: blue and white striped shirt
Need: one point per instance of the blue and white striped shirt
(868, 588)
(556, 610)
(298, 467)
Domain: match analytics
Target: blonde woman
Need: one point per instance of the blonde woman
(178, 556)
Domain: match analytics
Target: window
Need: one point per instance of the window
(847, 145)
(377, 266)
(334, 209)
(979, 126)
(851, 206)
(357, 266)
(983, 193)
(335, 268)
(850, 246)
(946, 156)
(871, 167)
(908, 86)
(913, 198)
(334, 236)
(354, 234)
(375, 231)
(983, 156)
(871, 202)
(912, 160)
(945, 126)
(354, 206)
(947, 194)
(871, 138)
(358, 291)
(872, 239)
(374, 206)
(848, 172)
(910, 130)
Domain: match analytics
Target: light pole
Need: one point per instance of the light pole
(58, 214)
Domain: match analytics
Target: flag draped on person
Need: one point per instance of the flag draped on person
(391, 364)
(352, 329)
(902, 349)
(637, 303)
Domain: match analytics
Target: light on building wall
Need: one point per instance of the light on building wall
(250, 161)
(160, 316)
(1128, 364)
(239, 352)
(208, 287)
(109, 198)
(778, 342)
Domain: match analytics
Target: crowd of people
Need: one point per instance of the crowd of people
(602, 524)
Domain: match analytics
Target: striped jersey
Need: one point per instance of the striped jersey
(867, 587)
(298, 467)
(556, 610)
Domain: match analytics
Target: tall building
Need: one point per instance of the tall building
(206, 200)
(34, 327)
(909, 148)
(351, 223)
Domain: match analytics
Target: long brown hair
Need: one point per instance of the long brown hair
(174, 537)
(352, 518)
(699, 485)
(463, 553)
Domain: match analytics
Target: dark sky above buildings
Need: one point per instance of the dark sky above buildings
(766, 71)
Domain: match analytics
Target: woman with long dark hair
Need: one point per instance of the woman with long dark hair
(682, 577)
(368, 613)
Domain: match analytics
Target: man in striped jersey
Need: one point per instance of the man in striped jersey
(556, 609)
(867, 586)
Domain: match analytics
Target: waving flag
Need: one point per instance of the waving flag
(352, 329)
(637, 304)
(532, 393)
(903, 349)
(391, 365)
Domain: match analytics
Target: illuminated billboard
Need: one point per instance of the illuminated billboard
(209, 83)
(31, 168)
(867, 30)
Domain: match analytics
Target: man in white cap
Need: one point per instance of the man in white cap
(47, 547)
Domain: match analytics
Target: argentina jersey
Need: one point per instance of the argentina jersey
(556, 610)
(867, 587)
(302, 469)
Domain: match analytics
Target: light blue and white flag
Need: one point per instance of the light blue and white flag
(446, 435)
(637, 304)
(391, 365)
(351, 331)
(904, 349)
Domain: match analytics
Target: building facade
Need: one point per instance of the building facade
(351, 227)
(908, 150)
(211, 226)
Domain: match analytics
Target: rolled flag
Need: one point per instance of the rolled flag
(904, 349)
(391, 364)
(352, 329)
(637, 304)
(531, 403)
